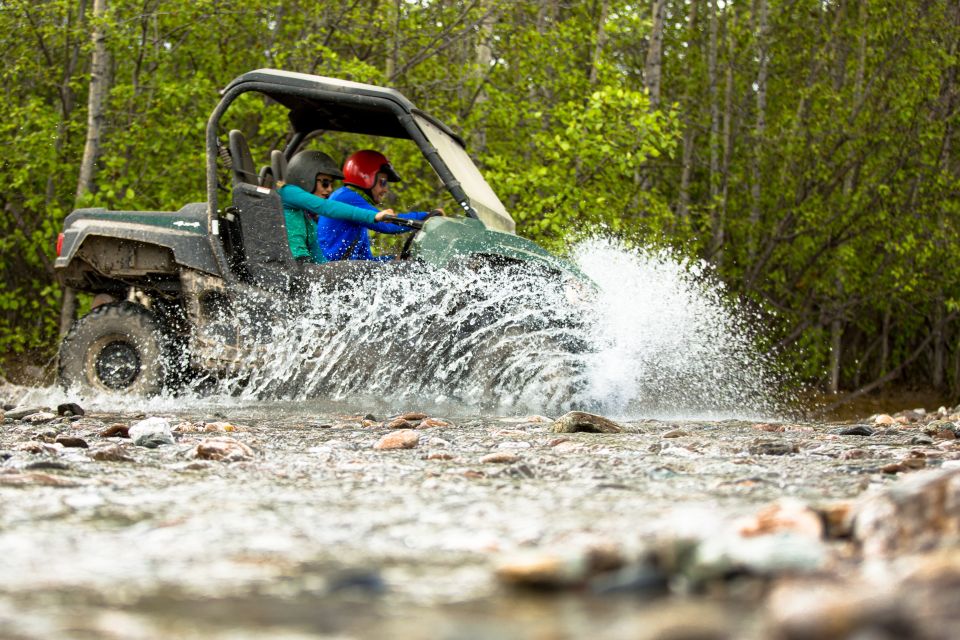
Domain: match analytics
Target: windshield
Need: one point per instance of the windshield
(483, 199)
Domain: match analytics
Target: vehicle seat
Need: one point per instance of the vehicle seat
(240, 159)
(258, 213)
(278, 165)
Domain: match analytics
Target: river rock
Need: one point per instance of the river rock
(151, 433)
(921, 511)
(117, 430)
(402, 439)
(40, 417)
(426, 423)
(769, 447)
(41, 479)
(501, 457)
(20, 414)
(72, 441)
(579, 421)
(856, 430)
(807, 610)
(110, 453)
(785, 515)
(224, 449)
(70, 409)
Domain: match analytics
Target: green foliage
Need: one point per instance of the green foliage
(835, 199)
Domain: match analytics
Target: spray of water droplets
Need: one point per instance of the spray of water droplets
(651, 338)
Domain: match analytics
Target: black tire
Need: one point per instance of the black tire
(117, 348)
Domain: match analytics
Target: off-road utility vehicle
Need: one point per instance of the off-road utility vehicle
(174, 281)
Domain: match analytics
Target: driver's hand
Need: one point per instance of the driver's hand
(383, 214)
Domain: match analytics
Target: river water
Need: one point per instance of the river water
(300, 523)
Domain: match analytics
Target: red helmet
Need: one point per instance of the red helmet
(362, 167)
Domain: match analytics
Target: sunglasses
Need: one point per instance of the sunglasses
(326, 183)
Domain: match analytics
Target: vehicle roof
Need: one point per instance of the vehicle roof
(318, 102)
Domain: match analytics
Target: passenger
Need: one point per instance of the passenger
(366, 176)
(308, 181)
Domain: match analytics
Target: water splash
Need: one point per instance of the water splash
(655, 339)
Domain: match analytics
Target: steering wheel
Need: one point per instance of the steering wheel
(416, 225)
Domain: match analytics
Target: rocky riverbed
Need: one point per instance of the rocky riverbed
(238, 523)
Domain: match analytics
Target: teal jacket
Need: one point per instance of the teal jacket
(300, 211)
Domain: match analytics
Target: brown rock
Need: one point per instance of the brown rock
(41, 479)
(115, 431)
(772, 428)
(784, 515)
(399, 423)
(440, 455)
(110, 453)
(426, 423)
(72, 441)
(837, 519)
(413, 416)
(884, 419)
(402, 439)
(918, 512)
(675, 433)
(579, 421)
(500, 457)
(223, 448)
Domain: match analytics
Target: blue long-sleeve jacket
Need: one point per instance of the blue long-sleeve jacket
(335, 237)
(299, 204)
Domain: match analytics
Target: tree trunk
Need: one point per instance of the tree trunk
(716, 226)
(686, 162)
(393, 45)
(600, 42)
(653, 64)
(97, 101)
(759, 129)
(836, 337)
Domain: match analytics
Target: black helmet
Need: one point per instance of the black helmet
(303, 168)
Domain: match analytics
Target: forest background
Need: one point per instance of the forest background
(806, 149)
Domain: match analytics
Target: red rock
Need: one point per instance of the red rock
(402, 439)
(115, 431)
(500, 457)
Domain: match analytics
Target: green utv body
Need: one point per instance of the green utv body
(166, 282)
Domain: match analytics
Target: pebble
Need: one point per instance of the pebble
(42, 479)
(579, 421)
(70, 409)
(501, 457)
(772, 447)
(110, 453)
(151, 433)
(915, 513)
(115, 431)
(19, 414)
(72, 441)
(884, 419)
(857, 430)
(426, 423)
(785, 515)
(402, 439)
(675, 433)
(399, 423)
(225, 449)
(40, 417)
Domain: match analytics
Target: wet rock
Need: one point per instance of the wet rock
(827, 611)
(224, 449)
(40, 417)
(837, 519)
(639, 578)
(36, 479)
(110, 453)
(579, 421)
(938, 426)
(884, 419)
(39, 448)
(151, 433)
(557, 570)
(921, 439)
(916, 513)
(72, 441)
(223, 427)
(70, 409)
(675, 433)
(786, 515)
(20, 414)
(399, 423)
(413, 416)
(856, 430)
(769, 447)
(427, 423)
(55, 465)
(725, 555)
(501, 457)
(772, 428)
(115, 431)
(402, 439)
(439, 455)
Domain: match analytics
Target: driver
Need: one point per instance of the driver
(307, 182)
(366, 175)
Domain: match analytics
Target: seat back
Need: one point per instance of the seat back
(240, 159)
(278, 165)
